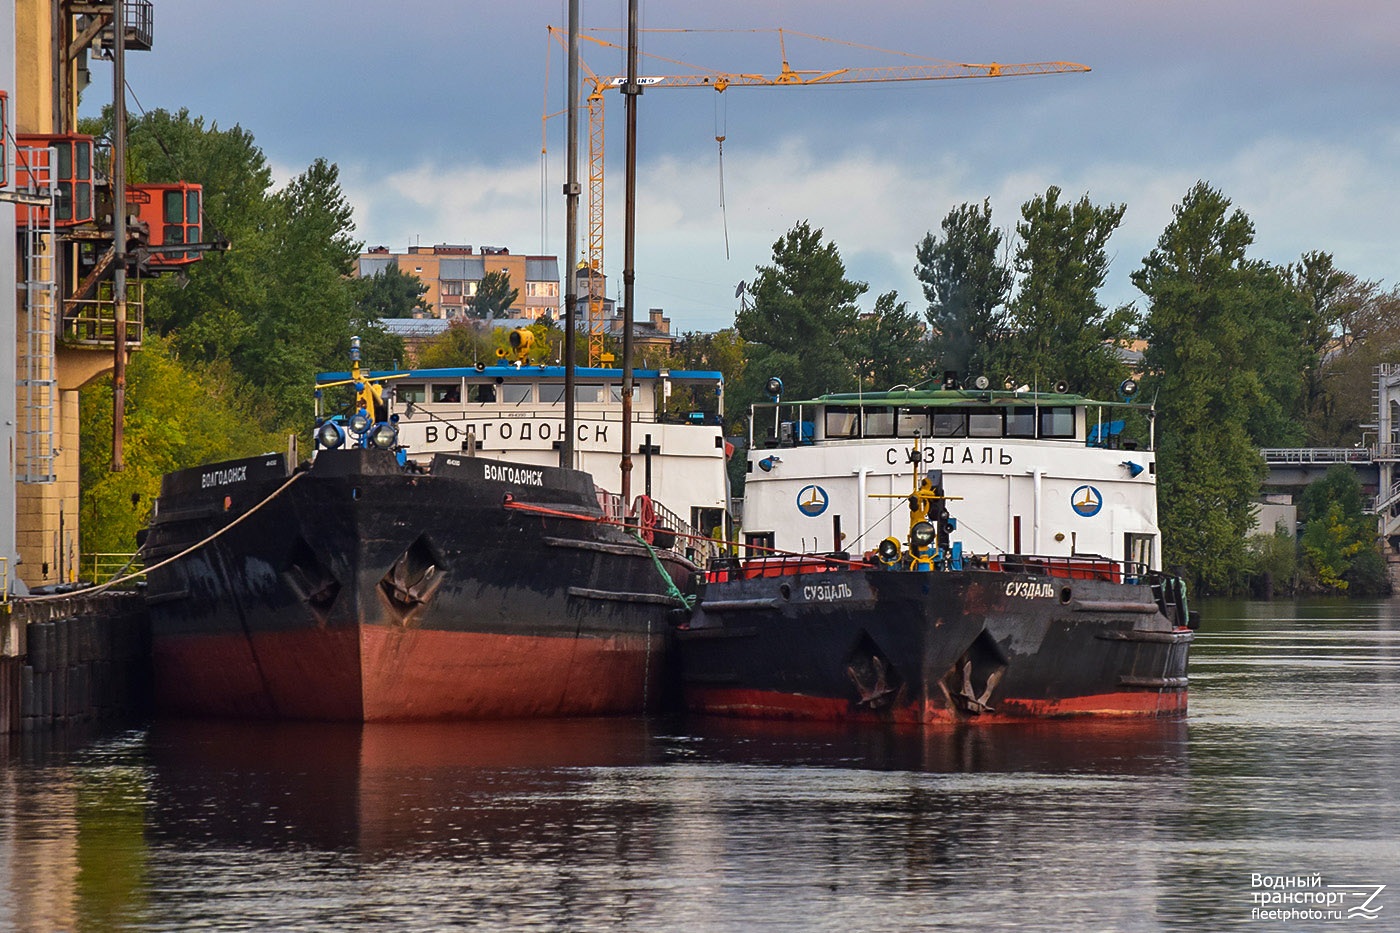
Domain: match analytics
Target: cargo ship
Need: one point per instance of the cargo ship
(948, 555)
(431, 559)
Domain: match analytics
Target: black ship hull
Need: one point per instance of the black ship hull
(847, 643)
(364, 592)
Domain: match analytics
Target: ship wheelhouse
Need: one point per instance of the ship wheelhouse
(1029, 473)
(516, 412)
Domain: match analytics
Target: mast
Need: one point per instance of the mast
(571, 194)
(631, 90)
(118, 232)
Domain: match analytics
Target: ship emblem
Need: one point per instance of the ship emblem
(812, 500)
(1086, 501)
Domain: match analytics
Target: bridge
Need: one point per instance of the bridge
(1377, 465)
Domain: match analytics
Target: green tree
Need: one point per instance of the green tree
(392, 293)
(889, 345)
(493, 297)
(309, 316)
(1272, 563)
(1058, 328)
(464, 343)
(967, 284)
(205, 309)
(1279, 355)
(800, 322)
(278, 304)
(1367, 334)
(723, 350)
(178, 415)
(1199, 326)
(1322, 286)
(1339, 538)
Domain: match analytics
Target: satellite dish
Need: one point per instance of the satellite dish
(1128, 388)
(740, 289)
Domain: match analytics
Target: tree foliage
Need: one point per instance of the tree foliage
(1339, 538)
(392, 293)
(1057, 327)
(278, 305)
(1199, 324)
(802, 317)
(178, 415)
(723, 350)
(889, 346)
(493, 297)
(1367, 333)
(967, 284)
(1322, 288)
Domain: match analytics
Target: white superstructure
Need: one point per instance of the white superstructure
(516, 413)
(1029, 473)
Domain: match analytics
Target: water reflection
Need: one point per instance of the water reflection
(379, 788)
(1288, 763)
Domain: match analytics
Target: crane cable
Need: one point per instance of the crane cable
(721, 128)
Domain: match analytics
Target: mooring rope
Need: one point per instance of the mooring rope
(671, 589)
(89, 591)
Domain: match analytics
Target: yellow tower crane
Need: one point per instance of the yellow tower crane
(925, 70)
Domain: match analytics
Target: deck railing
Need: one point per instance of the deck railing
(683, 538)
(101, 567)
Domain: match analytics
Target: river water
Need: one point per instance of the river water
(1287, 767)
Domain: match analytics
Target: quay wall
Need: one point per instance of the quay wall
(74, 659)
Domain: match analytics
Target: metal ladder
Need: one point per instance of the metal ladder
(35, 456)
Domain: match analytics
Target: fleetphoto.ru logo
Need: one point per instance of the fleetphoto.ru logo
(1308, 897)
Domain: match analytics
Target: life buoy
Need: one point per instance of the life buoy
(644, 514)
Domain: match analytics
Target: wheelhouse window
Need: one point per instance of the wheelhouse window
(949, 423)
(1020, 422)
(552, 393)
(1057, 421)
(514, 393)
(481, 393)
(615, 392)
(588, 394)
(879, 422)
(842, 422)
(447, 392)
(913, 421)
(984, 424)
(410, 392)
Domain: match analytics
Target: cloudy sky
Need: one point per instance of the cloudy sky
(433, 111)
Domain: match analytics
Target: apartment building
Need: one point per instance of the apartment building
(453, 272)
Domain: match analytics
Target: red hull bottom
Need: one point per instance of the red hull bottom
(764, 704)
(374, 674)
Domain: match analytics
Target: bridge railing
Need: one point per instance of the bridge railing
(1319, 454)
(1386, 500)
